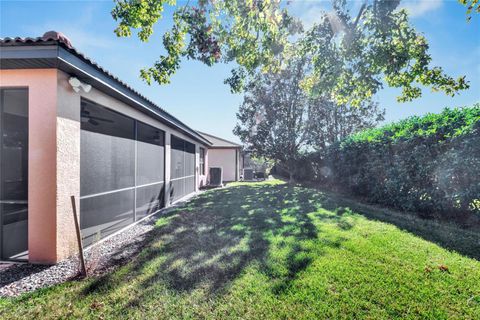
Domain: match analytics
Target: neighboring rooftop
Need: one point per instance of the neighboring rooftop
(54, 50)
(218, 142)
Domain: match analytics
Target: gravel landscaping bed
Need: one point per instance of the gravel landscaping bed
(16, 279)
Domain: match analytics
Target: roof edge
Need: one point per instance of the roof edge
(236, 145)
(60, 40)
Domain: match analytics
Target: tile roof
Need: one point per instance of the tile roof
(48, 37)
(218, 142)
(58, 38)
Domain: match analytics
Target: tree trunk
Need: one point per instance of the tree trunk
(291, 172)
(292, 178)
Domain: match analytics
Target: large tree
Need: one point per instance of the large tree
(279, 121)
(353, 55)
(250, 33)
(473, 6)
(273, 116)
(331, 122)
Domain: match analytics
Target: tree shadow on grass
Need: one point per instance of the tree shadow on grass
(208, 242)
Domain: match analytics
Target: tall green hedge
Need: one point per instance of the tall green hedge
(429, 164)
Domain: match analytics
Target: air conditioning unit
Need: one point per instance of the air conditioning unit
(259, 175)
(216, 176)
(248, 174)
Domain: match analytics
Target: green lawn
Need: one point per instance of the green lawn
(274, 251)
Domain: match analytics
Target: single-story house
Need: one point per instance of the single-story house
(71, 128)
(226, 155)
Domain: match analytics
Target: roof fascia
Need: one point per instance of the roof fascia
(72, 64)
(68, 60)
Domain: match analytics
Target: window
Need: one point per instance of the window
(202, 161)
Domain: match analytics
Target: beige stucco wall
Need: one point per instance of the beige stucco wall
(42, 145)
(68, 165)
(225, 158)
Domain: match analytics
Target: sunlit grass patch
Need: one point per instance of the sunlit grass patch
(270, 250)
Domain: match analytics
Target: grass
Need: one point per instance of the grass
(274, 251)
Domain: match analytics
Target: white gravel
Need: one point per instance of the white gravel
(16, 279)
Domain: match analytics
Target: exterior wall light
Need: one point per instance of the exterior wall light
(77, 84)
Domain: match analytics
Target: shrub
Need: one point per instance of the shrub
(429, 164)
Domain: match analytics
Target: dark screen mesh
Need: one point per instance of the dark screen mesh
(14, 174)
(149, 199)
(105, 214)
(150, 154)
(177, 161)
(189, 164)
(182, 168)
(177, 143)
(177, 189)
(107, 142)
(189, 185)
(112, 197)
